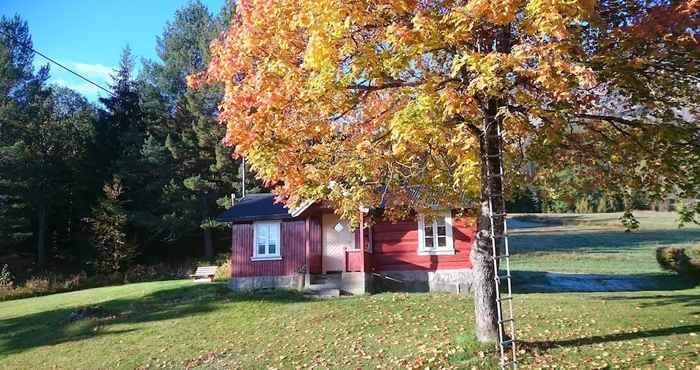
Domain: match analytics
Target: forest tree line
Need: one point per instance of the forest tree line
(137, 177)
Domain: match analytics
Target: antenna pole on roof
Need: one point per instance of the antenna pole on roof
(243, 179)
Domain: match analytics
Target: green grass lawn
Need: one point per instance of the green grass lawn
(597, 243)
(180, 324)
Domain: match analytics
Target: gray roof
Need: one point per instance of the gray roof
(255, 207)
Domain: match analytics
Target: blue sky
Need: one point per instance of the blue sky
(88, 35)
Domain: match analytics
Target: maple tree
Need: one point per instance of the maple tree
(332, 100)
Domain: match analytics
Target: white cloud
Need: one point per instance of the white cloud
(89, 90)
(97, 71)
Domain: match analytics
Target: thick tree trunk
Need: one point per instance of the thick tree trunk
(206, 235)
(41, 235)
(485, 303)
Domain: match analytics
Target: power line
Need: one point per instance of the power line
(59, 64)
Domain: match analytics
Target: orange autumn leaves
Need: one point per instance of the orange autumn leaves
(333, 99)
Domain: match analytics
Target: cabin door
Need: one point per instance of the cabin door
(337, 238)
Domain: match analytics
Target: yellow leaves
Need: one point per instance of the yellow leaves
(496, 12)
(317, 53)
(551, 18)
(489, 71)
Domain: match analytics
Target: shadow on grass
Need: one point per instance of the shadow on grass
(687, 300)
(548, 282)
(76, 323)
(617, 337)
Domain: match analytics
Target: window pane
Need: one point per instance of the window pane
(272, 248)
(429, 242)
(261, 249)
(441, 231)
(442, 241)
(440, 221)
(274, 233)
(428, 230)
(261, 233)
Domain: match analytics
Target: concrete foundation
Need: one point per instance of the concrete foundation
(253, 283)
(453, 281)
(356, 282)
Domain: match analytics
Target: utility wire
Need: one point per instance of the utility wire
(59, 64)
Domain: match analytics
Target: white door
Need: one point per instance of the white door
(336, 238)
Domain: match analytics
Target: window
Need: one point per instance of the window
(435, 234)
(266, 241)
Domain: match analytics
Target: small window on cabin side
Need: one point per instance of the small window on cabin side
(435, 233)
(266, 240)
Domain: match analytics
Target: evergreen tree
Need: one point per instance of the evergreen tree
(203, 172)
(108, 223)
(43, 135)
(121, 137)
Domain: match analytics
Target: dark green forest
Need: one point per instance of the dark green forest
(136, 178)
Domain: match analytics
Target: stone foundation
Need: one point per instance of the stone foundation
(453, 281)
(356, 282)
(253, 283)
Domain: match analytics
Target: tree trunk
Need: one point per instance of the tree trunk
(207, 238)
(483, 284)
(41, 235)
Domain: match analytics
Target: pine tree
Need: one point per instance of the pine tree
(203, 172)
(44, 131)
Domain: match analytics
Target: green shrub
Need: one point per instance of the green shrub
(629, 221)
(684, 261)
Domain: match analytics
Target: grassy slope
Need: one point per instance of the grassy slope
(597, 243)
(179, 324)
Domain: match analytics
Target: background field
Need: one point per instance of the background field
(179, 324)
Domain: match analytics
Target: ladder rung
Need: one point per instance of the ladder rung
(508, 276)
(508, 342)
(502, 256)
(506, 298)
(498, 214)
(505, 321)
(502, 236)
(494, 155)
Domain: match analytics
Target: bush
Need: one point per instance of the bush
(7, 281)
(684, 261)
(49, 283)
(223, 272)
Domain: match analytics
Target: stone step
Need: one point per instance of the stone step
(322, 292)
(326, 285)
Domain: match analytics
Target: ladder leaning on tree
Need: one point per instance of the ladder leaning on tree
(501, 254)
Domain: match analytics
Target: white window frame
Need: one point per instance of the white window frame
(433, 250)
(267, 256)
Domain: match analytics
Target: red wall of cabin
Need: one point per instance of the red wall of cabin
(293, 249)
(395, 246)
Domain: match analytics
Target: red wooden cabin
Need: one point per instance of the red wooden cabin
(274, 247)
